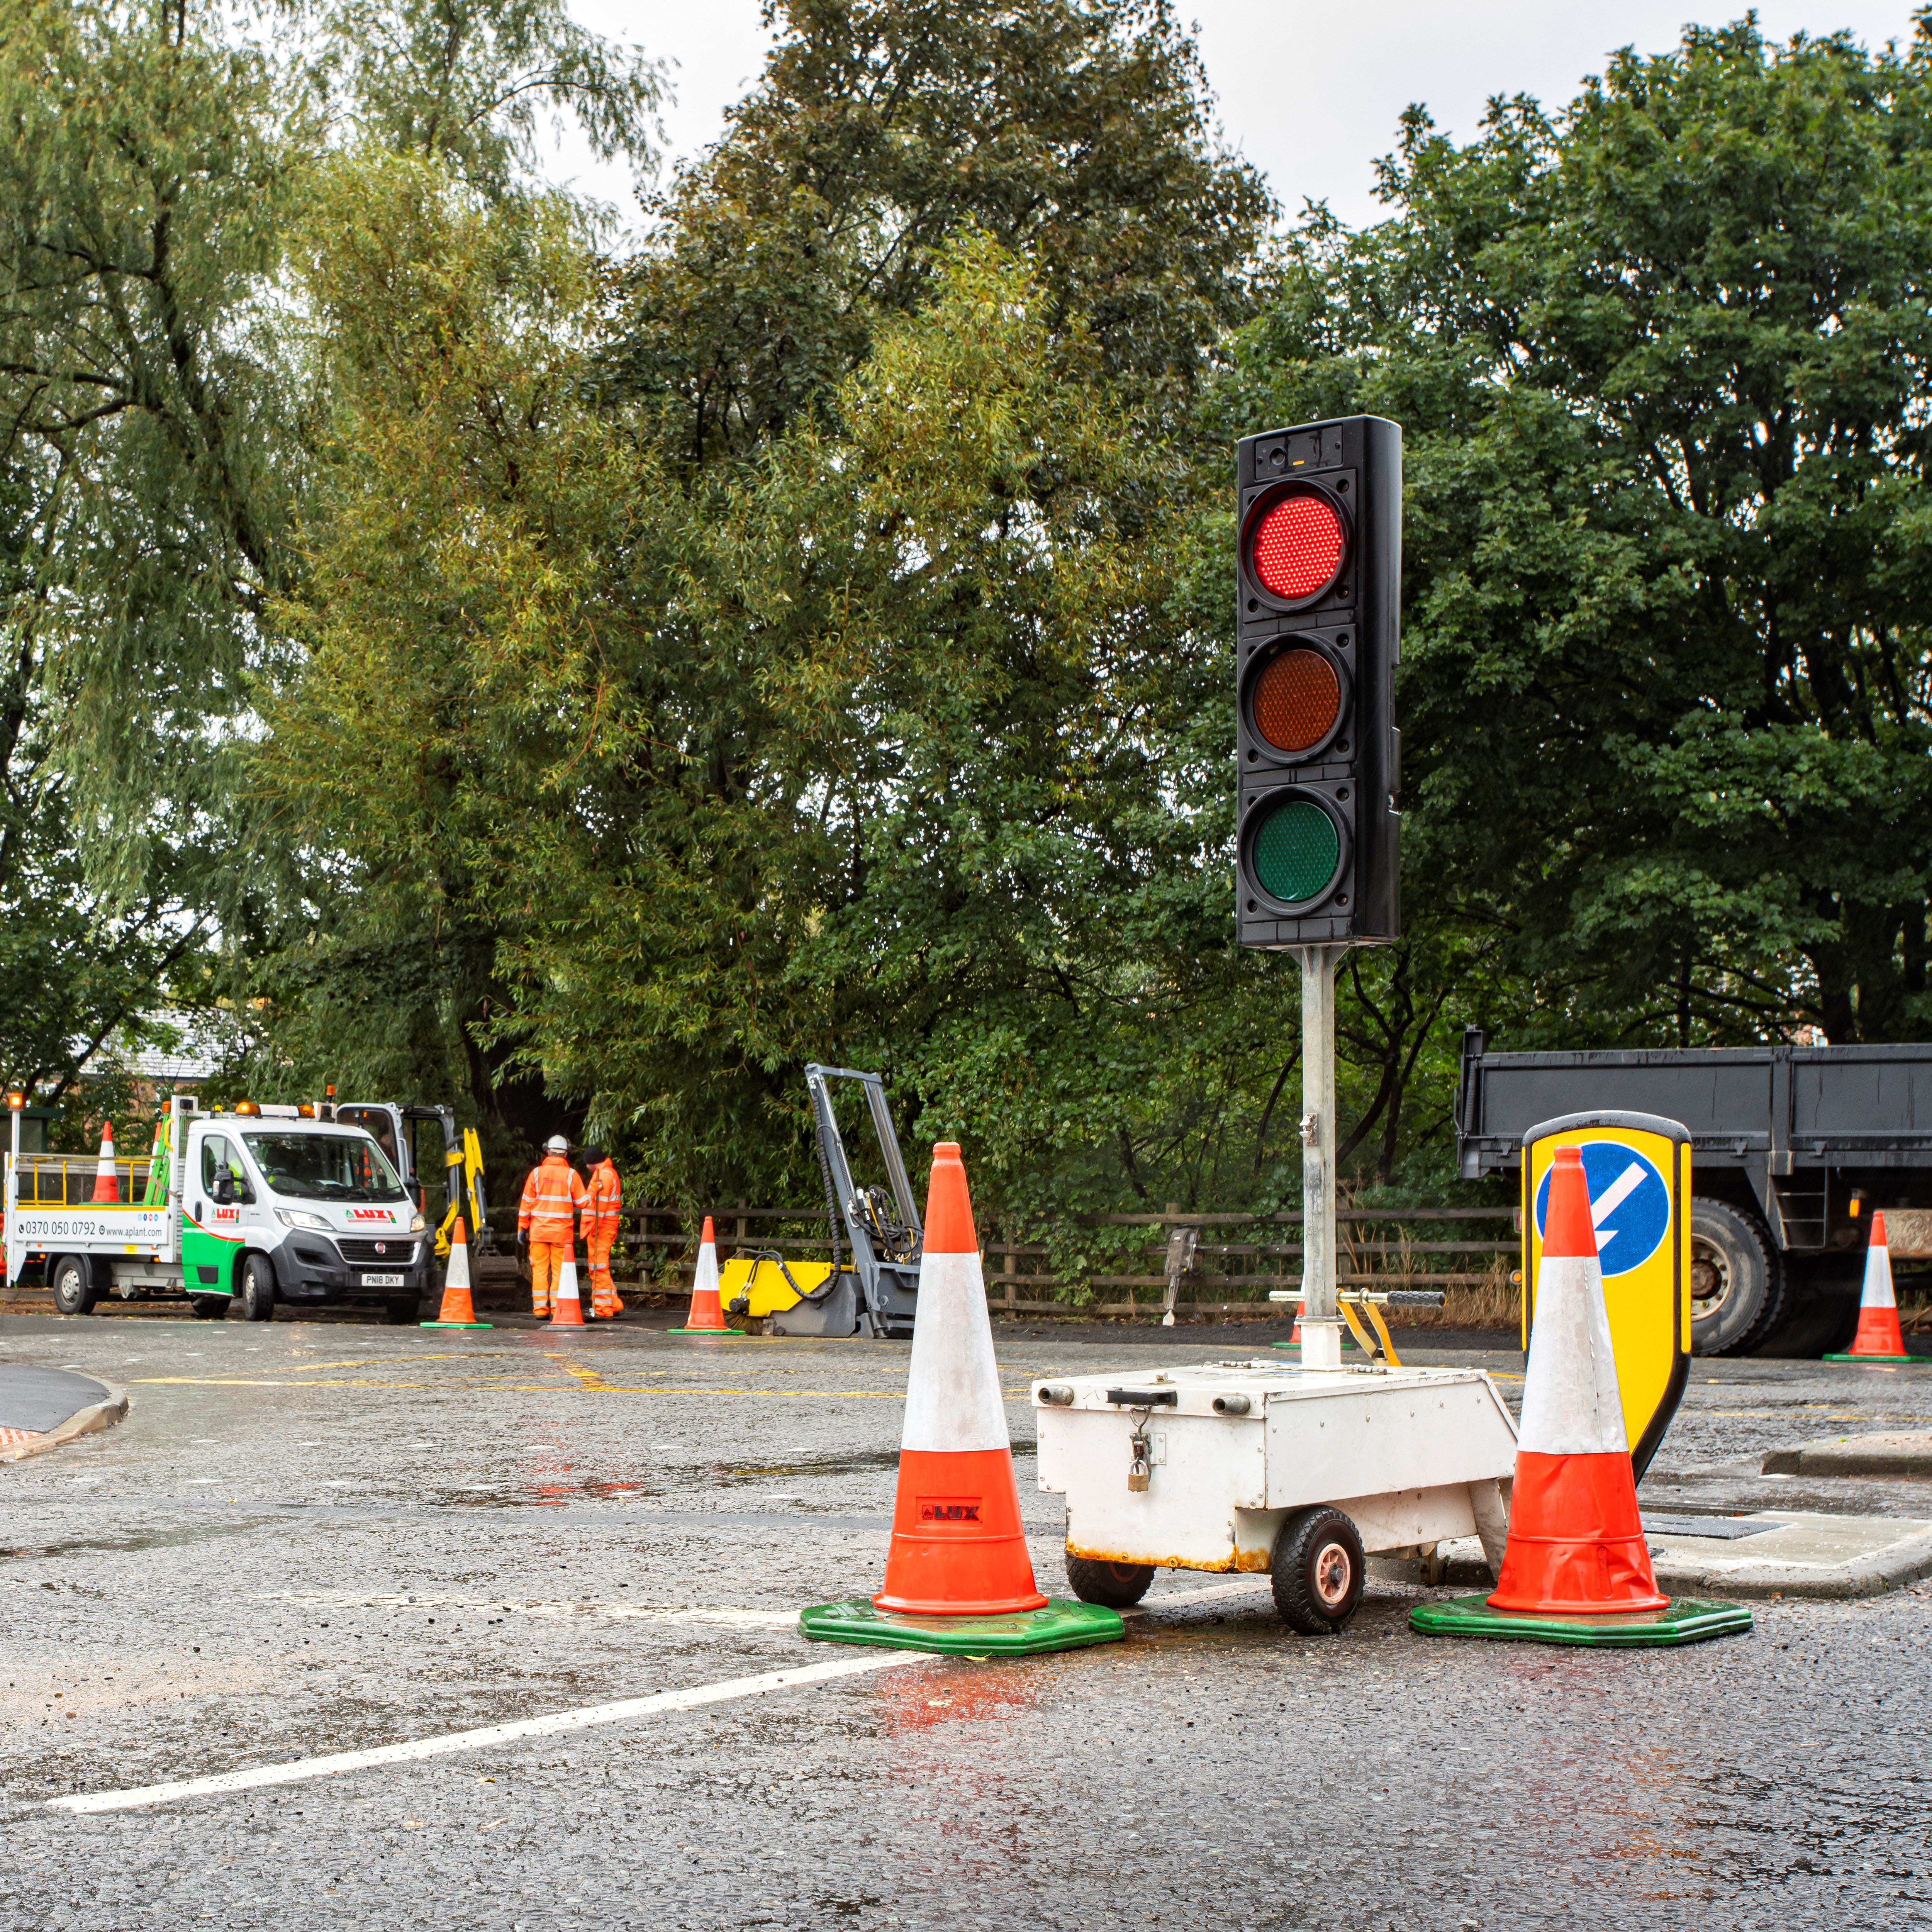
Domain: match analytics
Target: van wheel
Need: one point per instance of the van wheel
(258, 1289)
(1118, 1585)
(1318, 1570)
(73, 1285)
(1737, 1284)
(209, 1307)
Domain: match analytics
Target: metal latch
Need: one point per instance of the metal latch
(1144, 1398)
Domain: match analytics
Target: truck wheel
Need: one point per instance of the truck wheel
(1318, 1568)
(73, 1285)
(258, 1289)
(209, 1307)
(1118, 1585)
(1737, 1285)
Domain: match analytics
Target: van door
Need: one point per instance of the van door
(215, 1191)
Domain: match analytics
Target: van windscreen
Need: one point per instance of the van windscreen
(325, 1167)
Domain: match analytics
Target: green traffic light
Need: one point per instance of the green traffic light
(1296, 849)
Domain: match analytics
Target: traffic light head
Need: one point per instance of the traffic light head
(1319, 579)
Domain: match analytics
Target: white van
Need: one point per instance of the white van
(264, 1205)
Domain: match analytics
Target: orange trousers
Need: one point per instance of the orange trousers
(604, 1301)
(546, 1261)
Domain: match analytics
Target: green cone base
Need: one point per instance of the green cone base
(453, 1324)
(1682, 1620)
(714, 1334)
(1888, 1361)
(1063, 1624)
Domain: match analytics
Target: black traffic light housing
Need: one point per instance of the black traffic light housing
(1317, 632)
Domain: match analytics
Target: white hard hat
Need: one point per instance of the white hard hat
(557, 1143)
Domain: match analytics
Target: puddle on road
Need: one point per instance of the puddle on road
(858, 1462)
(152, 1539)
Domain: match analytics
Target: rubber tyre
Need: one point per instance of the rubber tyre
(73, 1285)
(256, 1300)
(1318, 1567)
(209, 1307)
(1119, 1586)
(1733, 1261)
(399, 1314)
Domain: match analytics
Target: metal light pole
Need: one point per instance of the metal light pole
(1321, 1315)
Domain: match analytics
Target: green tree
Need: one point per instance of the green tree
(1660, 361)
(160, 412)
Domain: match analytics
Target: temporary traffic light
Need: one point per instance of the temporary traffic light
(1319, 588)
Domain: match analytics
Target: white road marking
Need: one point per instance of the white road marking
(559, 1722)
(1234, 1589)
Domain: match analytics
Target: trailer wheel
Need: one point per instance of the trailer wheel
(1318, 1569)
(258, 1289)
(1737, 1285)
(73, 1285)
(1117, 1585)
(209, 1307)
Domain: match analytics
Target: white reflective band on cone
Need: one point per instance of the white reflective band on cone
(952, 1387)
(457, 1274)
(566, 1281)
(1571, 1406)
(1878, 1278)
(706, 1276)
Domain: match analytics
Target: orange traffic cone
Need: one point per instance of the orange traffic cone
(106, 1186)
(567, 1308)
(1577, 1545)
(1879, 1338)
(959, 1548)
(458, 1311)
(958, 1578)
(706, 1316)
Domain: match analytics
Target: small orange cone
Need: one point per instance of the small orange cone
(567, 1308)
(458, 1311)
(1879, 1338)
(706, 1316)
(958, 1547)
(106, 1185)
(1577, 1545)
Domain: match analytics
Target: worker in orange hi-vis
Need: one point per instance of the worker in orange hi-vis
(547, 1221)
(600, 1210)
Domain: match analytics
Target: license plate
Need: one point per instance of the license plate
(385, 1280)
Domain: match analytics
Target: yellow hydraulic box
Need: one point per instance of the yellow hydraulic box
(761, 1283)
(1637, 1167)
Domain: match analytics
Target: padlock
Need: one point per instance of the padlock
(1137, 1474)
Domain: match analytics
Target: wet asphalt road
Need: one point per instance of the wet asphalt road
(309, 1538)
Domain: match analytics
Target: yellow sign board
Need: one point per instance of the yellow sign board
(1637, 1168)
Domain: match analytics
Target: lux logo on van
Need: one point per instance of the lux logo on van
(370, 1214)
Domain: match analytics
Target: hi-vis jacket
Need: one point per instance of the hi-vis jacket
(606, 1196)
(551, 1196)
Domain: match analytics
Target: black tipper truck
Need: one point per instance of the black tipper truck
(1791, 1149)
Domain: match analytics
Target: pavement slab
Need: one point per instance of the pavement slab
(315, 1538)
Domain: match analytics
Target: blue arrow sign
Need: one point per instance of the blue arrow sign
(1629, 1204)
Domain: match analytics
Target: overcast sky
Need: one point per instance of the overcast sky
(1310, 93)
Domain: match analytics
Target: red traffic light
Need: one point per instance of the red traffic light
(1296, 544)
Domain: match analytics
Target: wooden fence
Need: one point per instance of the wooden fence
(1238, 1258)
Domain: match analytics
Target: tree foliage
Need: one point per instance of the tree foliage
(1661, 362)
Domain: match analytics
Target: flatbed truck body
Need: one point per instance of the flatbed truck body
(1792, 1147)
